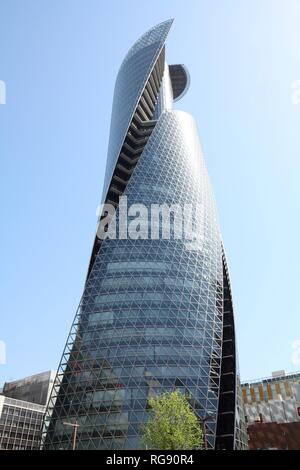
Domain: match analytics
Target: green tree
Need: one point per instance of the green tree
(172, 424)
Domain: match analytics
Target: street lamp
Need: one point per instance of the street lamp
(75, 426)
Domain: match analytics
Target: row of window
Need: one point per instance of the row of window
(151, 296)
(145, 333)
(13, 435)
(36, 424)
(268, 390)
(150, 281)
(136, 266)
(20, 412)
(34, 445)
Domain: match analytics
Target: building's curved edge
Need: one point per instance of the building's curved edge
(156, 70)
(180, 80)
(166, 28)
(231, 433)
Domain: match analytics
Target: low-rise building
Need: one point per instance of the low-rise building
(272, 411)
(274, 436)
(22, 409)
(20, 424)
(273, 399)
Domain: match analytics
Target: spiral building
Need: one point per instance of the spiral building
(156, 313)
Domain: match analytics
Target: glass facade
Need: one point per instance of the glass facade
(130, 83)
(34, 389)
(156, 313)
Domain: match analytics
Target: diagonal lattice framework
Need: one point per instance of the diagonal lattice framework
(155, 314)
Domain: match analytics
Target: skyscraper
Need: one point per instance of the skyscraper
(156, 313)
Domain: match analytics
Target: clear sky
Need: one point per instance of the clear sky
(59, 60)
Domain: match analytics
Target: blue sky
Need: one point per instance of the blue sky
(59, 60)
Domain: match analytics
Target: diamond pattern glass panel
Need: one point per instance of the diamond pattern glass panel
(156, 313)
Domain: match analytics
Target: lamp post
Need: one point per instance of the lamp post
(75, 426)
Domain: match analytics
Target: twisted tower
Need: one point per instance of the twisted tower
(156, 313)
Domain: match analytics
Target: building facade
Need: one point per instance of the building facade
(20, 424)
(272, 411)
(156, 312)
(35, 389)
(22, 410)
(274, 436)
(273, 399)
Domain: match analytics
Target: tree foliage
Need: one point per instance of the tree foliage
(172, 424)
